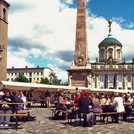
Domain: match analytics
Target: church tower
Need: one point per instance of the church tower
(3, 38)
(79, 74)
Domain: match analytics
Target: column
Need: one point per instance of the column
(124, 81)
(106, 81)
(115, 82)
(96, 81)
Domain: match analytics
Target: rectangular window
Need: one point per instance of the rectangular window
(120, 67)
(92, 67)
(129, 67)
(101, 78)
(110, 66)
(101, 67)
(110, 78)
(30, 74)
(120, 78)
(129, 78)
(30, 79)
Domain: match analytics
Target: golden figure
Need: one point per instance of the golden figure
(110, 23)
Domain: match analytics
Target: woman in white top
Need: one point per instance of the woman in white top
(21, 95)
(118, 105)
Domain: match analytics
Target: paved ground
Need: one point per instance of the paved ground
(45, 125)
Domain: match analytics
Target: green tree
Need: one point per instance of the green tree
(45, 81)
(21, 78)
(53, 79)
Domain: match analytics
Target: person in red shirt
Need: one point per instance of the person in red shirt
(76, 99)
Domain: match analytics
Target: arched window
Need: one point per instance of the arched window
(110, 53)
(101, 54)
(4, 13)
(118, 54)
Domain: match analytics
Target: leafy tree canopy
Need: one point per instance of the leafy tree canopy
(21, 78)
(45, 81)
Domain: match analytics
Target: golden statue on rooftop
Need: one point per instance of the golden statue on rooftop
(110, 23)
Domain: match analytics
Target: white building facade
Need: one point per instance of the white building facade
(32, 74)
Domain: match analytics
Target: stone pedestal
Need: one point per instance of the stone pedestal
(80, 77)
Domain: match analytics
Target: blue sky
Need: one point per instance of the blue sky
(42, 32)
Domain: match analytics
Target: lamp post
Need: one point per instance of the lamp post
(1, 50)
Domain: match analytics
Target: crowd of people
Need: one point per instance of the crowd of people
(74, 103)
(85, 102)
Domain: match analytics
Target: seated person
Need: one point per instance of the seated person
(96, 107)
(128, 107)
(83, 105)
(8, 108)
(60, 104)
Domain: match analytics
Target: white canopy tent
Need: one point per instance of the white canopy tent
(53, 88)
(111, 90)
(37, 87)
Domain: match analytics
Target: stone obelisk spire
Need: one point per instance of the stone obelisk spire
(81, 50)
(80, 72)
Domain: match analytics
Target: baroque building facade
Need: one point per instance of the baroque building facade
(110, 71)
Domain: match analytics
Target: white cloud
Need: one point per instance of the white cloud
(17, 62)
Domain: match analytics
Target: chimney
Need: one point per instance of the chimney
(26, 66)
(38, 66)
(12, 67)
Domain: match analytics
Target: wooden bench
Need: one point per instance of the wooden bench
(80, 115)
(15, 115)
(54, 110)
(108, 114)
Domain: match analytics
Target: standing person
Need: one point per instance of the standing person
(76, 99)
(77, 91)
(29, 98)
(42, 99)
(47, 98)
(118, 105)
(23, 98)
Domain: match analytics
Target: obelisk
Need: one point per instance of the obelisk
(81, 50)
(80, 71)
